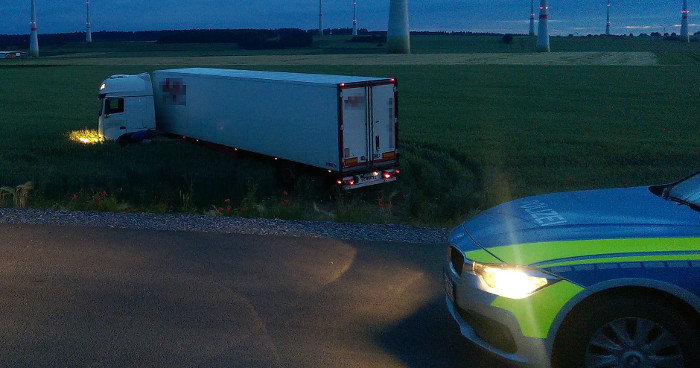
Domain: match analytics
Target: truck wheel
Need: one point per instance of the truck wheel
(627, 332)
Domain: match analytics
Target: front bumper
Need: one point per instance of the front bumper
(494, 329)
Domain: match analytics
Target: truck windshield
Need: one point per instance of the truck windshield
(686, 191)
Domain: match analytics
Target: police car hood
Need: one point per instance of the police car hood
(595, 214)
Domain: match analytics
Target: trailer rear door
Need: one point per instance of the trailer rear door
(383, 137)
(368, 124)
(354, 126)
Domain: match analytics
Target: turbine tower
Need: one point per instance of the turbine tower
(543, 32)
(607, 24)
(354, 17)
(398, 38)
(532, 18)
(684, 22)
(88, 33)
(320, 17)
(34, 35)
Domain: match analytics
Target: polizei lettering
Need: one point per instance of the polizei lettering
(542, 213)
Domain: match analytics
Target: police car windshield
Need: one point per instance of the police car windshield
(687, 192)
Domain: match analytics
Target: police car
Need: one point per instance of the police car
(599, 278)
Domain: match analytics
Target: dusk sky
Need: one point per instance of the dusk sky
(498, 16)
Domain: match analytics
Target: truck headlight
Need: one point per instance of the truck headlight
(511, 282)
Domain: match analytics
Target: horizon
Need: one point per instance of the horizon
(476, 16)
(525, 33)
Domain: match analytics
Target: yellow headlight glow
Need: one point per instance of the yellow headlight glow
(511, 283)
(85, 136)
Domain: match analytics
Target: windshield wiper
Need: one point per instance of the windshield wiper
(684, 202)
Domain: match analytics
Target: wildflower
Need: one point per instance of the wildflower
(227, 200)
(74, 197)
(104, 193)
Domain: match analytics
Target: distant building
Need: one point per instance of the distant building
(13, 54)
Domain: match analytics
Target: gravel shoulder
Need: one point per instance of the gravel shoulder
(226, 225)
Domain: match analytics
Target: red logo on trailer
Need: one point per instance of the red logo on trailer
(354, 102)
(174, 91)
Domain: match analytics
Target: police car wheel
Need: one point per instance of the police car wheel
(628, 333)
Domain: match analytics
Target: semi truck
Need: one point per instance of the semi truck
(345, 126)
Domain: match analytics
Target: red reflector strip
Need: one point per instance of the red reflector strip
(350, 161)
(388, 155)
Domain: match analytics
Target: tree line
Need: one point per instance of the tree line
(245, 38)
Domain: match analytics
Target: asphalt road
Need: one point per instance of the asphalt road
(76, 297)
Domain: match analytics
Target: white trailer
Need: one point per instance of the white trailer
(343, 124)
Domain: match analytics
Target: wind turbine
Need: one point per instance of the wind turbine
(88, 33)
(354, 17)
(532, 18)
(34, 35)
(543, 32)
(398, 36)
(320, 17)
(684, 22)
(607, 24)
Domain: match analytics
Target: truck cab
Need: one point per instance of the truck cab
(126, 106)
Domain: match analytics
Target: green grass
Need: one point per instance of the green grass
(471, 136)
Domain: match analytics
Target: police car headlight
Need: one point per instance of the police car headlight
(511, 282)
